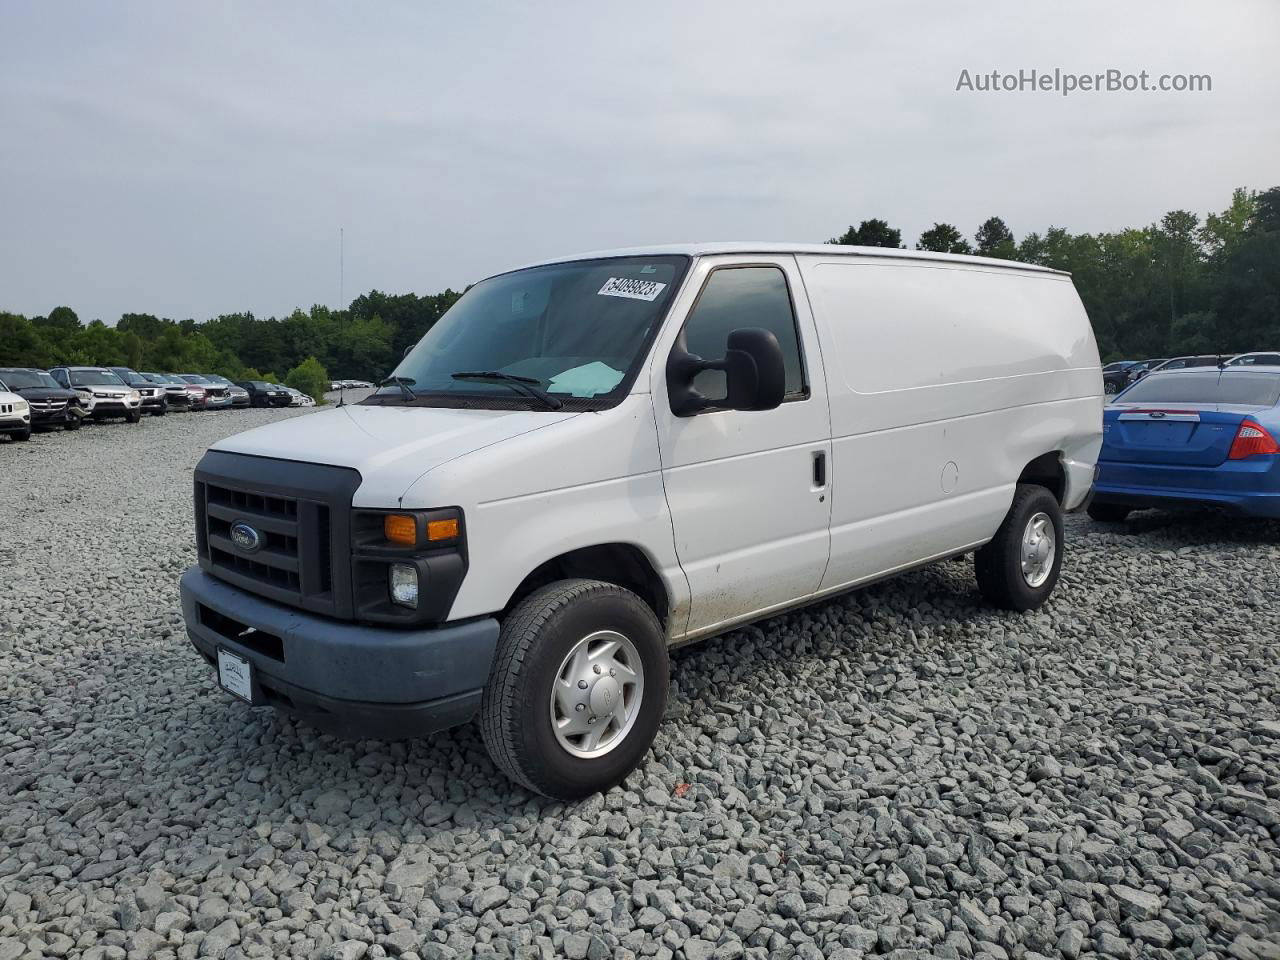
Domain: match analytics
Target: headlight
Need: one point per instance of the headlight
(404, 584)
(20, 406)
(134, 395)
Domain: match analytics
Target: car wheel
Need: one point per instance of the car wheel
(1109, 512)
(577, 690)
(1019, 568)
(159, 413)
(1110, 388)
(133, 416)
(72, 424)
(23, 435)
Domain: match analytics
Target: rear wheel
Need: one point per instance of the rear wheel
(577, 690)
(1109, 512)
(1019, 568)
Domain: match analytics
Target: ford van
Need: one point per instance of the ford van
(587, 462)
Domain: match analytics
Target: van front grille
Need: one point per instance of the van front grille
(295, 548)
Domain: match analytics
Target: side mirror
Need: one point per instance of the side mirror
(754, 371)
(407, 349)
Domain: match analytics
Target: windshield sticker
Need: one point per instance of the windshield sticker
(632, 289)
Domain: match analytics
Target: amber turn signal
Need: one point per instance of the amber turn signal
(400, 529)
(442, 529)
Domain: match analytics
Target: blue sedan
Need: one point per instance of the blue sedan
(1194, 437)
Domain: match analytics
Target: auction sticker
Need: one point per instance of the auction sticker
(632, 289)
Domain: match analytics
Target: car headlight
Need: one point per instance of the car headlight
(403, 580)
(134, 395)
(20, 406)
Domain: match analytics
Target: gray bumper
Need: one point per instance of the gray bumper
(344, 677)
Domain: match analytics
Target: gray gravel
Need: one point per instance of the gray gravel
(898, 772)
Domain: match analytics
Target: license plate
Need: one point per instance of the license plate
(235, 675)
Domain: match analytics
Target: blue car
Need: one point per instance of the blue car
(1194, 437)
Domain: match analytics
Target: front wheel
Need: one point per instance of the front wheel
(72, 424)
(133, 416)
(1019, 568)
(577, 690)
(23, 435)
(159, 413)
(1110, 388)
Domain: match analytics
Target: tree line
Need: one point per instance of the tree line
(1183, 285)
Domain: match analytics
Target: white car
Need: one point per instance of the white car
(15, 416)
(586, 462)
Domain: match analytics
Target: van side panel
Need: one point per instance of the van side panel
(945, 381)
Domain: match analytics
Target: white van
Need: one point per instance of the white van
(588, 461)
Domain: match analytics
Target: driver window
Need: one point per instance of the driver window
(735, 297)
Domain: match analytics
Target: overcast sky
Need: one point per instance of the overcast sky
(192, 159)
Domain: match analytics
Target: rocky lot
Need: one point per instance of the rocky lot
(899, 772)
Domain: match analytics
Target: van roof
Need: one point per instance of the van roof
(770, 247)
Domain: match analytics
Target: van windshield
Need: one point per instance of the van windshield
(575, 330)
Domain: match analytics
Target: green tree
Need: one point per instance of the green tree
(943, 238)
(870, 233)
(310, 377)
(995, 239)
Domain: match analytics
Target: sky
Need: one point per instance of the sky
(189, 160)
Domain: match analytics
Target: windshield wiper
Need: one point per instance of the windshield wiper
(525, 385)
(402, 383)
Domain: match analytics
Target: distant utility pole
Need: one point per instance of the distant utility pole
(342, 278)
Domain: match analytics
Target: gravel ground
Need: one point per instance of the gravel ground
(898, 772)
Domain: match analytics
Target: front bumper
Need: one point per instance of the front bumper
(15, 424)
(111, 407)
(347, 678)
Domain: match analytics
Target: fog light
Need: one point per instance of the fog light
(404, 584)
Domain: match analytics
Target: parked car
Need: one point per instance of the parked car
(1141, 369)
(296, 397)
(195, 391)
(239, 395)
(216, 396)
(1115, 375)
(263, 394)
(1181, 363)
(15, 416)
(1192, 437)
(464, 541)
(176, 396)
(111, 396)
(1260, 359)
(154, 400)
(51, 405)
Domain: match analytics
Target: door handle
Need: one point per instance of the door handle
(820, 468)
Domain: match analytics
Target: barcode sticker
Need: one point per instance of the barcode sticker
(632, 289)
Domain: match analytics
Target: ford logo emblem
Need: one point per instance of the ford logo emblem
(245, 537)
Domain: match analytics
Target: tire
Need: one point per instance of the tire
(133, 417)
(1109, 388)
(1108, 512)
(534, 649)
(22, 435)
(159, 413)
(999, 565)
(72, 424)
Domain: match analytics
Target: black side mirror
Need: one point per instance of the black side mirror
(407, 349)
(754, 371)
